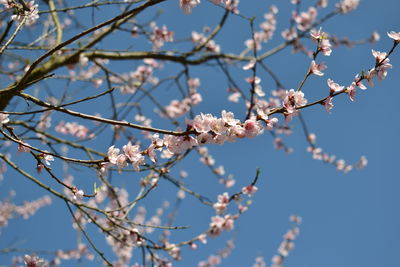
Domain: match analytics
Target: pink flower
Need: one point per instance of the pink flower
(351, 91)
(229, 118)
(293, 100)
(325, 47)
(47, 158)
(78, 194)
(358, 83)
(394, 35)
(187, 5)
(221, 205)
(362, 162)
(334, 87)
(249, 190)
(305, 19)
(382, 64)
(121, 161)
(179, 144)
(317, 68)
(132, 152)
(201, 123)
(328, 104)
(289, 34)
(34, 261)
(250, 64)
(252, 128)
(112, 154)
(271, 122)
(346, 6)
(202, 238)
(31, 15)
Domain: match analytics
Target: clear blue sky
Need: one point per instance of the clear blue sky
(349, 220)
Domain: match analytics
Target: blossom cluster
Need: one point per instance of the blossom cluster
(346, 6)
(75, 129)
(160, 35)
(214, 260)
(29, 12)
(133, 80)
(8, 210)
(178, 108)
(305, 20)
(201, 39)
(322, 39)
(268, 28)
(318, 154)
(288, 242)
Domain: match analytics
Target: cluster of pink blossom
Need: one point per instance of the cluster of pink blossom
(133, 80)
(305, 20)
(382, 65)
(249, 190)
(8, 209)
(160, 35)
(292, 101)
(210, 45)
(346, 6)
(211, 129)
(79, 253)
(88, 73)
(130, 153)
(178, 108)
(75, 129)
(234, 95)
(214, 260)
(219, 224)
(34, 261)
(317, 154)
(395, 36)
(317, 69)
(322, 38)
(221, 205)
(268, 28)
(188, 5)
(288, 242)
(29, 11)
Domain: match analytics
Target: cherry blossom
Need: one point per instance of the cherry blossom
(328, 104)
(317, 68)
(304, 20)
(132, 152)
(34, 261)
(187, 5)
(383, 64)
(346, 6)
(293, 100)
(47, 158)
(160, 36)
(221, 205)
(334, 87)
(249, 190)
(394, 35)
(32, 14)
(112, 154)
(351, 91)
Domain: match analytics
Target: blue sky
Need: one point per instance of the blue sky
(349, 220)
